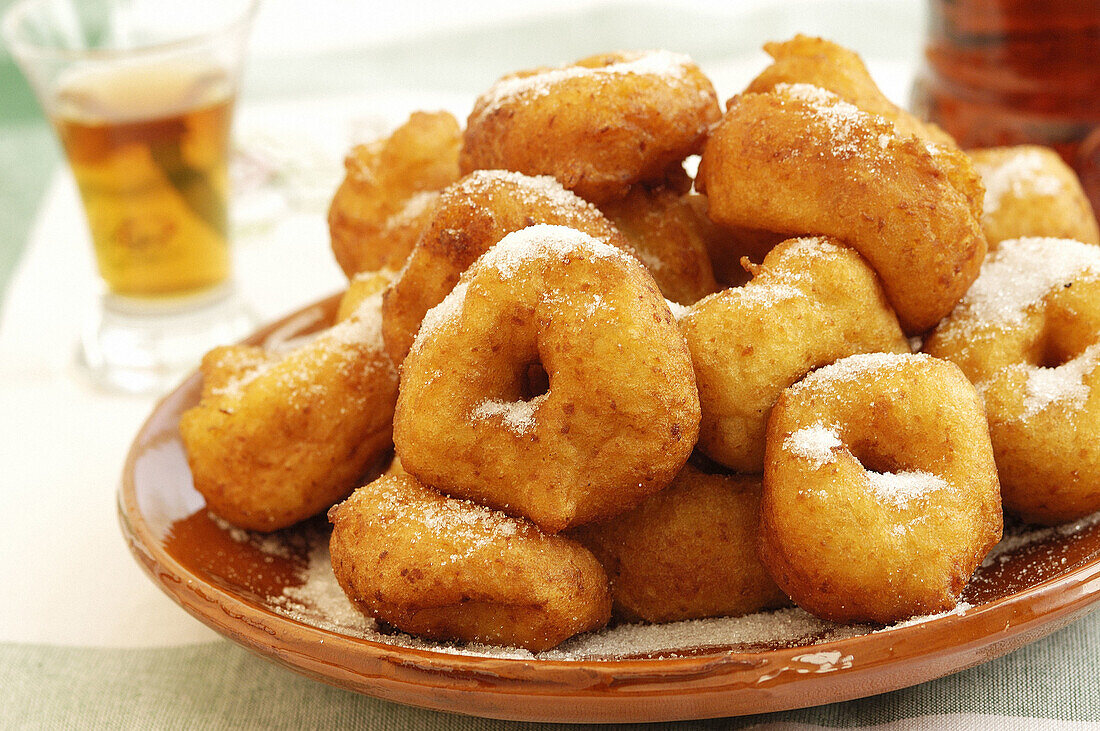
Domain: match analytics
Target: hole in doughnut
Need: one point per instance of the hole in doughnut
(874, 458)
(1064, 337)
(1055, 352)
(534, 381)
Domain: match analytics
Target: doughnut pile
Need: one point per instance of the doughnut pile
(572, 384)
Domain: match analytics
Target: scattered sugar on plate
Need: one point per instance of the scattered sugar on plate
(320, 602)
(814, 443)
(900, 488)
(1019, 174)
(1022, 536)
(957, 611)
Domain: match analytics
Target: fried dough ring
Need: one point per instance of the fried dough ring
(385, 199)
(277, 438)
(598, 126)
(448, 569)
(1031, 192)
(822, 63)
(1028, 335)
(800, 160)
(669, 236)
(471, 216)
(620, 414)
(811, 302)
(880, 490)
(687, 552)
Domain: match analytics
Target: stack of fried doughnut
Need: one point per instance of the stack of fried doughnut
(619, 393)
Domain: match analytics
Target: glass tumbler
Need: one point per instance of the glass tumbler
(141, 96)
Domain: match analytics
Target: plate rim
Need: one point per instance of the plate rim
(603, 689)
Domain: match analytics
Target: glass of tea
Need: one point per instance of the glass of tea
(141, 94)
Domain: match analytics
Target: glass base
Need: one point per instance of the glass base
(143, 346)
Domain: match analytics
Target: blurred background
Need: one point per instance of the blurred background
(323, 75)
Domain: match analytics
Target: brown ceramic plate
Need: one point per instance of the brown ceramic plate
(1036, 585)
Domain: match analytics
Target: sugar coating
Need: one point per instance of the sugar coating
(541, 241)
(678, 310)
(361, 331)
(768, 294)
(900, 488)
(415, 206)
(1020, 274)
(666, 65)
(448, 309)
(857, 368)
(1018, 175)
(814, 247)
(840, 117)
(1063, 385)
(544, 241)
(518, 416)
(480, 183)
(814, 443)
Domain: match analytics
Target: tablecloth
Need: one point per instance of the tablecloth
(86, 640)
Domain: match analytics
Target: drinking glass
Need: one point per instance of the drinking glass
(141, 95)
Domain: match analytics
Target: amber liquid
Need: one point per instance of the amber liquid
(1009, 72)
(149, 151)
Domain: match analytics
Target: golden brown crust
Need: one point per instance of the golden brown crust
(1028, 335)
(687, 552)
(669, 235)
(854, 546)
(447, 569)
(800, 160)
(1030, 191)
(276, 439)
(822, 63)
(387, 195)
(621, 411)
(598, 126)
(810, 303)
(471, 216)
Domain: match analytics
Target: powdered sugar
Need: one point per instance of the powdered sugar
(859, 367)
(1021, 273)
(959, 609)
(540, 189)
(768, 294)
(666, 65)
(678, 310)
(815, 444)
(543, 241)
(1064, 385)
(518, 416)
(900, 488)
(319, 601)
(1018, 174)
(362, 327)
(840, 118)
(442, 313)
